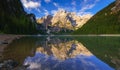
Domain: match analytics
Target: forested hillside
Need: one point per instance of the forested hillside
(14, 20)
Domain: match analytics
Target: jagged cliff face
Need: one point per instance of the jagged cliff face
(69, 19)
(64, 19)
(61, 19)
(116, 8)
(45, 21)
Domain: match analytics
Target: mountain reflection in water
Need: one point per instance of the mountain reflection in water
(58, 54)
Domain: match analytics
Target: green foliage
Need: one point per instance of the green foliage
(104, 22)
(13, 19)
(14, 25)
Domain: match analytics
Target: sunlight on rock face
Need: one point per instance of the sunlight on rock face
(65, 50)
(116, 8)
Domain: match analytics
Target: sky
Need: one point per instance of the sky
(81, 7)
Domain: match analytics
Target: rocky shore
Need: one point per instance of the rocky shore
(7, 39)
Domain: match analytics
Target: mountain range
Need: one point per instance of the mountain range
(63, 20)
(14, 20)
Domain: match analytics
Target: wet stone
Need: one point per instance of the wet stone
(8, 64)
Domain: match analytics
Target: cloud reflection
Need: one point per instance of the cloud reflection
(67, 55)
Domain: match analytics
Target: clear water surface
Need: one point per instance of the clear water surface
(65, 52)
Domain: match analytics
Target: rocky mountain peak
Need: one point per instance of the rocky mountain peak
(62, 11)
(64, 19)
(69, 17)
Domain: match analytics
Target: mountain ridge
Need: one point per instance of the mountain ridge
(104, 22)
(63, 20)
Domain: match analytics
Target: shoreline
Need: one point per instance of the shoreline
(82, 35)
(6, 39)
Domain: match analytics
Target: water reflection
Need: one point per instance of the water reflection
(63, 54)
(63, 50)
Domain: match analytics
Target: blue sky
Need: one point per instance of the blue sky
(82, 7)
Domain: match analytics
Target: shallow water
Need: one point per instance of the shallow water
(65, 53)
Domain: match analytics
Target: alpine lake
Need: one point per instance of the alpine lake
(63, 53)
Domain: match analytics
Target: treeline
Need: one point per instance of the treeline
(14, 20)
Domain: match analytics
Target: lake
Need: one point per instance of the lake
(65, 52)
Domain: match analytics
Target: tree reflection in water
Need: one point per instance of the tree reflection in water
(58, 54)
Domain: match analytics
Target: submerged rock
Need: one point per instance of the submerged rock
(11, 65)
(5, 42)
(8, 64)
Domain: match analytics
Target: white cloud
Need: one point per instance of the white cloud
(84, 13)
(53, 12)
(86, 6)
(47, 1)
(56, 4)
(46, 12)
(24, 1)
(38, 10)
(33, 65)
(30, 4)
(89, 6)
